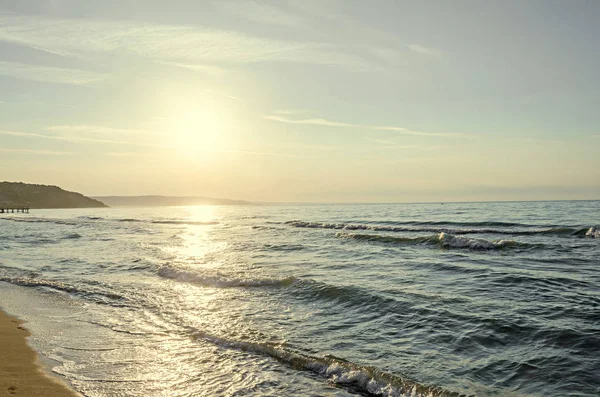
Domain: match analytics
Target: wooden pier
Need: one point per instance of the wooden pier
(12, 210)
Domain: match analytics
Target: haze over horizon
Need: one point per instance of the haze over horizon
(303, 101)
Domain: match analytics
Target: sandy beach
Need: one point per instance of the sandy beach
(20, 370)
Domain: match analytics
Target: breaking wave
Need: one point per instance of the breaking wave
(450, 241)
(367, 379)
(219, 280)
(94, 294)
(593, 233)
(34, 282)
(299, 223)
(284, 247)
(434, 227)
(443, 239)
(389, 239)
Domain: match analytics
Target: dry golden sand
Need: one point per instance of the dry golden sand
(20, 371)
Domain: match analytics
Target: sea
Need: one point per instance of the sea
(436, 299)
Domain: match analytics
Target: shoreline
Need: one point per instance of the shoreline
(21, 372)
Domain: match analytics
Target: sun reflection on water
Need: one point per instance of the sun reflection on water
(197, 246)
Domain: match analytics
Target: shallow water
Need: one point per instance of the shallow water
(486, 299)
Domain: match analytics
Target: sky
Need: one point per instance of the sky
(303, 100)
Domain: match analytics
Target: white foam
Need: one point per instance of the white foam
(316, 225)
(451, 241)
(593, 233)
(337, 371)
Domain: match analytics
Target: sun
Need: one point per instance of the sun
(199, 133)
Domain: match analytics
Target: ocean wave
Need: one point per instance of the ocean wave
(31, 238)
(558, 231)
(40, 241)
(167, 222)
(315, 225)
(450, 241)
(97, 218)
(34, 282)
(592, 232)
(265, 227)
(366, 379)
(59, 286)
(300, 223)
(444, 240)
(466, 223)
(389, 239)
(218, 280)
(72, 236)
(40, 220)
(346, 295)
(284, 247)
(177, 222)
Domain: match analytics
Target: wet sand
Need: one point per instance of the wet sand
(20, 371)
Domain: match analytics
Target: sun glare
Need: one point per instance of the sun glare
(198, 132)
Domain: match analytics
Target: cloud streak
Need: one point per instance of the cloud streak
(96, 129)
(329, 123)
(420, 49)
(74, 139)
(36, 152)
(49, 74)
(108, 130)
(184, 46)
(321, 122)
(261, 13)
(206, 69)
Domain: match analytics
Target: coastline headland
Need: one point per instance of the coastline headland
(27, 195)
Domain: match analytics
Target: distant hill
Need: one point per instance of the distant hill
(43, 196)
(164, 201)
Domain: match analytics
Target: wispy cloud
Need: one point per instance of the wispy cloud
(321, 122)
(125, 154)
(96, 129)
(420, 49)
(179, 45)
(262, 13)
(48, 74)
(329, 123)
(287, 111)
(75, 138)
(257, 153)
(207, 69)
(223, 94)
(30, 135)
(109, 130)
(390, 56)
(222, 151)
(36, 152)
(389, 144)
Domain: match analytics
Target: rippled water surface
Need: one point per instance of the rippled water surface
(490, 299)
